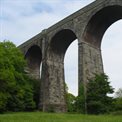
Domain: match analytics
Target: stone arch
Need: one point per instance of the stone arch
(61, 41)
(59, 45)
(55, 66)
(34, 58)
(99, 23)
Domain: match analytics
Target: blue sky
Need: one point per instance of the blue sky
(22, 19)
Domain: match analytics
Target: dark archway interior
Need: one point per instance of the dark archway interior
(61, 41)
(99, 24)
(34, 58)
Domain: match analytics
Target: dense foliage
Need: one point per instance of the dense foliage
(97, 99)
(76, 104)
(118, 100)
(16, 88)
(80, 103)
(71, 99)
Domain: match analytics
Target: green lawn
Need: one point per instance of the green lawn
(52, 117)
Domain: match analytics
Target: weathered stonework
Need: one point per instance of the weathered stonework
(88, 25)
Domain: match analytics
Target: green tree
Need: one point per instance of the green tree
(118, 100)
(97, 99)
(119, 93)
(16, 90)
(71, 99)
(81, 100)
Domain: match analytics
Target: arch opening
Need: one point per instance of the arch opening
(60, 53)
(97, 26)
(111, 50)
(34, 58)
(61, 41)
(71, 67)
(99, 23)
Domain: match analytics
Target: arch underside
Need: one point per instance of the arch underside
(58, 47)
(100, 22)
(34, 58)
(61, 41)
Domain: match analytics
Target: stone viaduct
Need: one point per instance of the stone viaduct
(48, 48)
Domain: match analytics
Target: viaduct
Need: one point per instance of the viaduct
(48, 48)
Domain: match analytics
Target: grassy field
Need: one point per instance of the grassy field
(52, 117)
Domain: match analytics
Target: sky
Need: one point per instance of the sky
(22, 19)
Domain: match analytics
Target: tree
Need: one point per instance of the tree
(76, 104)
(16, 89)
(97, 100)
(119, 93)
(81, 100)
(71, 99)
(118, 100)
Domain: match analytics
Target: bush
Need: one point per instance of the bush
(3, 101)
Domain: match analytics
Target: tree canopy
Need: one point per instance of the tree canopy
(97, 99)
(16, 89)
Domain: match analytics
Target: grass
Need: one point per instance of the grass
(53, 117)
